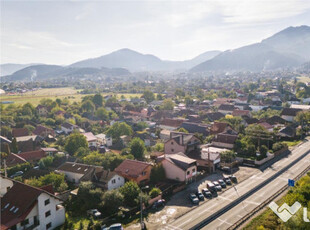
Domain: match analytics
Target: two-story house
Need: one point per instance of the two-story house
(134, 170)
(181, 142)
(27, 207)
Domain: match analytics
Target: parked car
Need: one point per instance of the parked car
(225, 169)
(227, 180)
(158, 204)
(206, 193)
(117, 226)
(19, 173)
(217, 186)
(94, 212)
(200, 196)
(233, 179)
(222, 183)
(211, 187)
(193, 198)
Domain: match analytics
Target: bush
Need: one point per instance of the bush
(278, 146)
(20, 167)
(154, 192)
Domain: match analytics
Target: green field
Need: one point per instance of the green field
(35, 97)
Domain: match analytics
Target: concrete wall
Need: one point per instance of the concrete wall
(119, 182)
(172, 147)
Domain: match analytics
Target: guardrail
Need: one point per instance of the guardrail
(262, 205)
(246, 195)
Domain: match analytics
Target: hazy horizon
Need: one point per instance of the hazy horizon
(63, 32)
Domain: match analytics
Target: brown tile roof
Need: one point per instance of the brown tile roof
(218, 127)
(19, 201)
(20, 132)
(131, 168)
(180, 160)
(172, 122)
(40, 130)
(226, 138)
(226, 107)
(290, 111)
(239, 112)
(90, 136)
(75, 167)
(14, 159)
(33, 155)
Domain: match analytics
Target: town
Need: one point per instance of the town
(107, 158)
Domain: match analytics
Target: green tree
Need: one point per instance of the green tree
(157, 174)
(137, 148)
(154, 192)
(74, 142)
(57, 180)
(88, 106)
(159, 97)
(81, 152)
(14, 146)
(182, 130)
(112, 200)
(148, 96)
(118, 129)
(102, 114)
(188, 100)
(167, 104)
(98, 100)
(228, 156)
(46, 162)
(130, 191)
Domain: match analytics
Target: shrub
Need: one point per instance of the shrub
(154, 192)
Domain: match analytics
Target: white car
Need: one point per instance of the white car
(94, 212)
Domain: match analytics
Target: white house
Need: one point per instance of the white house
(68, 128)
(109, 180)
(75, 172)
(104, 139)
(91, 139)
(27, 207)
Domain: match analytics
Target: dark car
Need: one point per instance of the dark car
(233, 179)
(158, 204)
(193, 198)
(200, 196)
(211, 187)
(218, 187)
(222, 183)
(206, 193)
(227, 180)
(225, 169)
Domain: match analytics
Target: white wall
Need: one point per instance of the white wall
(119, 182)
(72, 177)
(4, 184)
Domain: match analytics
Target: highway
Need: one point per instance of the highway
(223, 211)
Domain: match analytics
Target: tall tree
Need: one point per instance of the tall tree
(148, 96)
(74, 142)
(137, 148)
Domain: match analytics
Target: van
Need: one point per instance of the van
(211, 187)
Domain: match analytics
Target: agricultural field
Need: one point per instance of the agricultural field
(34, 97)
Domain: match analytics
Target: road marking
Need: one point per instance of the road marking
(224, 221)
(225, 198)
(252, 202)
(184, 222)
(169, 226)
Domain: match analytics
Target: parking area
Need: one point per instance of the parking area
(179, 204)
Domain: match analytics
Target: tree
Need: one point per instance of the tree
(81, 152)
(88, 106)
(98, 100)
(263, 151)
(157, 174)
(228, 156)
(148, 96)
(57, 180)
(46, 162)
(88, 196)
(130, 191)
(182, 130)
(188, 100)
(112, 200)
(159, 97)
(154, 192)
(102, 114)
(142, 125)
(118, 129)
(74, 142)
(167, 104)
(179, 93)
(137, 148)
(14, 146)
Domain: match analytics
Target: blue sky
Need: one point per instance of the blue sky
(62, 32)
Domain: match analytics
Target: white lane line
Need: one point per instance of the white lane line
(224, 221)
(184, 222)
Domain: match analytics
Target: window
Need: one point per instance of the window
(113, 181)
(49, 225)
(119, 178)
(143, 173)
(48, 213)
(194, 170)
(46, 202)
(24, 222)
(172, 142)
(187, 172)
(172, 150)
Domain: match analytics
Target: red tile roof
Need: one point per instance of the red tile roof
(172, 122)
(40, 130)
(239, 112)
(131, 168)
(218, 127)
(14, 159)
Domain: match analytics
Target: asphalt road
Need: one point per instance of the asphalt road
(208, 210)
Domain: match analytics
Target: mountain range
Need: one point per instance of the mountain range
(288, 48)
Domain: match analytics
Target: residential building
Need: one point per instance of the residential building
(137, 171)
(181, 142)
(27, 207)
(289, 114)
